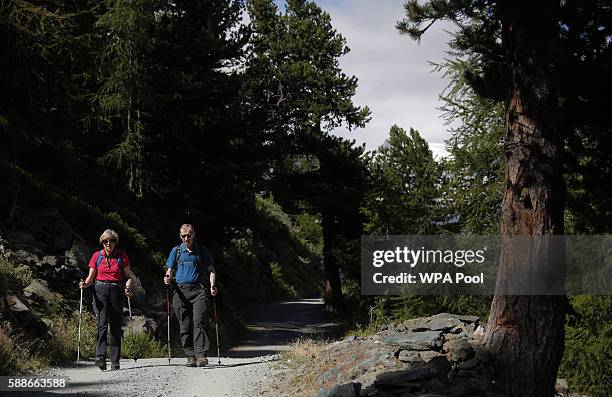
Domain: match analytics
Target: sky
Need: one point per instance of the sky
(396, 80)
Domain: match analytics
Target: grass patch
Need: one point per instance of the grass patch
(17, 276)
(304, 362)
(302, 352)
(19, 355)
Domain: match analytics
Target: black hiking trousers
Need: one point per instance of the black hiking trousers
(108, 306)
(190, 303)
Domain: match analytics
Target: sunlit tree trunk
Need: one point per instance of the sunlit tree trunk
(525, 333)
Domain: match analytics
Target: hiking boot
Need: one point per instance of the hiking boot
(201, 360)
(191, 362)
(101, 362)
(114, 366)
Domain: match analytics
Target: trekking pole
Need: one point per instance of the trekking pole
(134, 355)
(168, 313)
(217, 329)
(79, 332)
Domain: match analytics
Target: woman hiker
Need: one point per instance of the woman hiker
(109, 268)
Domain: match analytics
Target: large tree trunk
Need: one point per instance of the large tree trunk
(525, 333)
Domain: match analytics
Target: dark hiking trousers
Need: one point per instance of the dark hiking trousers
(108, 306)
(190, 306)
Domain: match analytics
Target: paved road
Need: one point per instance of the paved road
(271, 327)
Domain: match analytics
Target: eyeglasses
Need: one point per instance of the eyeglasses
(185, 236)
(111, 241)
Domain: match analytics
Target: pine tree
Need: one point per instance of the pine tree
(125, 96)
(405, 186)
(299, 94)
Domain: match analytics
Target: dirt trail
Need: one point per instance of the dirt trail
(242, 369)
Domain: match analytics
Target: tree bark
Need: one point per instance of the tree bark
(526, 333)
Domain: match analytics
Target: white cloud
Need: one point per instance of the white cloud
(395, 78)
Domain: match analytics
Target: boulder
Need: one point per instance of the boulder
(345, 390)
(442, 322)
(409, 356)
(79, 253)
(39, 295)
(427, 340)
(459, 350)
(138, 324)
(25, 320)
(398, 378)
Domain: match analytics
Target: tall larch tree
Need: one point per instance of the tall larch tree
(519, 46)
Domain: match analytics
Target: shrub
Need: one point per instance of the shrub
(141, 345)
(277, 276)
(64, 334)
(588, 351)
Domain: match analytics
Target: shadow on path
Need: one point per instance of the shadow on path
(272, 326)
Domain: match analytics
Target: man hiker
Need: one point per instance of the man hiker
(188, 262)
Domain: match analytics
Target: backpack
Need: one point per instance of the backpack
(101, 255)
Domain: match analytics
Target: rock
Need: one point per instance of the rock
(414, 324)
(469, 364)
(331, 374)
(465, 330)
(79, 253)
(479, 332)
(459, 350)
(139, 324)
(481, 353)
(367, 364)
(388, 363)
(457, 391)
(426, 340)
(402, 376)
(407, 356)
(39, 291)
(25, 257)
(16, 305)
(49, 260)
(440, 366)
(428, 355)
(436, 385)
(345, 390)
(27, 321)
(442, 322)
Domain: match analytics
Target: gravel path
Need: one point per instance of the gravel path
(241, 372)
